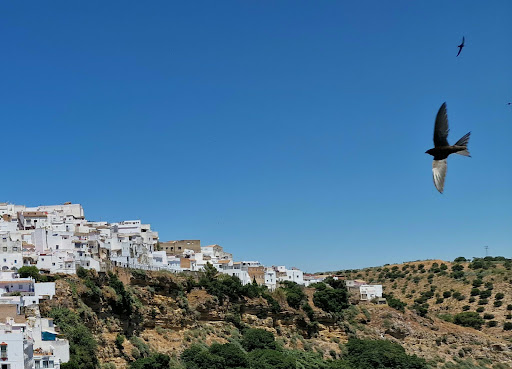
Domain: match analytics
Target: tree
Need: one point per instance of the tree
(270, 359)
(155, 361)
(468, 319)
(210, 272)
(29, 272)
(364, 354)
(82, 346)
(331, 300)
(294, 294)
(255, 338)
(233, 355)
(198, 357)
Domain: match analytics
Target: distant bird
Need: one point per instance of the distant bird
(442, 148)
(461, 46)
(510, 103)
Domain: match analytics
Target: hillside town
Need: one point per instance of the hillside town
(58, 239)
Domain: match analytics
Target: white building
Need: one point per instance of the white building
(16, 351)
(370, 291)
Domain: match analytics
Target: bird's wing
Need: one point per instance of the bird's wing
(439, 173)
(441, 127)
(460, 49)
(463, 40)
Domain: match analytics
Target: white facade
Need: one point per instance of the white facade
(370, 291)
(270, 278)
(17, 353)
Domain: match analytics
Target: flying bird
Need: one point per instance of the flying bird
(510, 103)
(461, 46)
(442, 149)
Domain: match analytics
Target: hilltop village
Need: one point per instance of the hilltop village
(59, 240)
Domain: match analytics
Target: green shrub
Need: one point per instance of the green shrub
(395, 303)
(155, 361)
(475, 292)
(140, 345)
(466, 307)
(485, 294)
(294, 294)
(255, 338)
(447, 294)
(309, 311)
(364, 354)
(499, 296)
(509, 307)
(270, 359)
(457, 275)
(480, 309)
(507, 326)
(483, 302)
(492, 323)
(498, 303)
(119, 341)
(457, 267)
(233, 355)
(29, 272)
(81, 341)
(420, 309)
(334, 299)
(468, 319)
(198, 357)
(488, 316)
(471, 300)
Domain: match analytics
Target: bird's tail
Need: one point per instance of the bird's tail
(463, 142)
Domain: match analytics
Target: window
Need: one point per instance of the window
(4, 249)
(15, 261)
(14, 248)
(3, 352)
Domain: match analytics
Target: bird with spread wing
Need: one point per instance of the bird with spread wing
(461, 46)
(442, 149)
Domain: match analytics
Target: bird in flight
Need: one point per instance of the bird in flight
(442, 148)
(510, 103)
(461, 46)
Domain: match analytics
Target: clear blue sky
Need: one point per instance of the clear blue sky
(290, 132)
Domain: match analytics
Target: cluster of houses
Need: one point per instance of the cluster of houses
(27, 341)
(58, 239)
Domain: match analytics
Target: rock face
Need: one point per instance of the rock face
(169, 315)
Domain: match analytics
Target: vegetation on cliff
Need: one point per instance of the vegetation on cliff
(137, 319)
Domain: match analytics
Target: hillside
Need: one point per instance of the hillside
(131, 314)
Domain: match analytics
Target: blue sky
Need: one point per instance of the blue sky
(290, 132)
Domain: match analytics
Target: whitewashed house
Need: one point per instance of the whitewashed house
(368, 292)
